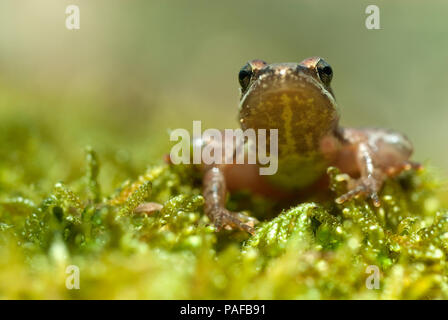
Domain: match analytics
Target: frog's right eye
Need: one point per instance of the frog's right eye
(244, 76)
(325, 72)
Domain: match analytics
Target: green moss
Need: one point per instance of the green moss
(315, 249)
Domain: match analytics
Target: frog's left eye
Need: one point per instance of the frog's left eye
(325, 71)
(244, 76)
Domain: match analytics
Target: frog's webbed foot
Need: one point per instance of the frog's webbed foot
(368, 186)
(228, 220)
(214, 196)
(379, 154)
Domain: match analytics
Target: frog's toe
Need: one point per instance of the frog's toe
(404, 166)
(350, 194)
(225, 219)
(364, 188)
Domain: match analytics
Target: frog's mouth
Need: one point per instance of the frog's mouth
(297, 105)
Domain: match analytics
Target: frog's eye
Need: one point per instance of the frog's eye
(325, 72)
(244, 76)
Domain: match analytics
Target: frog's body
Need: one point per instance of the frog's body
(287, 98)
(296, 99)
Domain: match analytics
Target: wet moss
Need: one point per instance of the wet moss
(313, 250)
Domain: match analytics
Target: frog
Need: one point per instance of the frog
(298, 101)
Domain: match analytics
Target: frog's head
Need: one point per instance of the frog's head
(295, 98)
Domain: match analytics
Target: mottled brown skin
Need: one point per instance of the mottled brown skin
(296, 99)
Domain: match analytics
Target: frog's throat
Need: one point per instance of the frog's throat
(302, 111)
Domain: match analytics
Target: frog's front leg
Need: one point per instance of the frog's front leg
(214, 192)
(378, 154)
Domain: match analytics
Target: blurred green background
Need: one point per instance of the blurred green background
(136, 69)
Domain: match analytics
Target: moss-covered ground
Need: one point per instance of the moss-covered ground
(61, 205)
